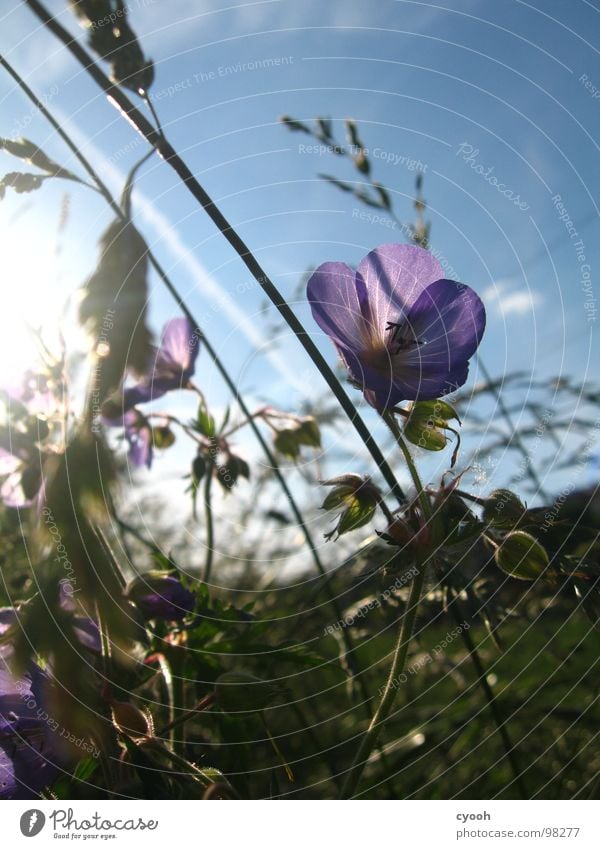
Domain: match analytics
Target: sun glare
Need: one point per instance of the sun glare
(33, 301)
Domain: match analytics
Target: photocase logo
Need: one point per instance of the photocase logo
(32, 822)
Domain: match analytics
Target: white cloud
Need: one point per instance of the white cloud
(503, 296)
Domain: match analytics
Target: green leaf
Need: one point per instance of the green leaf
(309, 433)
(85, 769)
(226, 416)
(286, 443)
(205, 423)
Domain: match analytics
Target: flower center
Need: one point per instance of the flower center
(378, 357)
(402, 337)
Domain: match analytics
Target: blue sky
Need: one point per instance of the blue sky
(516, 84)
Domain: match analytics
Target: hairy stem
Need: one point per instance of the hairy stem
(371, 736)
(210, 534)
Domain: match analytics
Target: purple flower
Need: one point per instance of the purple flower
(32, 754)
(403, 331)
(172, 368)
(28, 762)
(173, 365)
(138, 435)
(161, 596)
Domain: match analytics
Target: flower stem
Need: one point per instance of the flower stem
(188, 768)
(391, 422)
(210, 535)
(204, 703)
(370, 738)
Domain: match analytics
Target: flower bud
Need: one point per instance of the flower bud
(357, 498)
(400, 533)
(240, 691)
(131, 720)
(503, 509)
(229, 472)
(521, 556)
(163, 437)
(159, 595)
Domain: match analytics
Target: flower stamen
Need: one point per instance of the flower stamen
(402, 337)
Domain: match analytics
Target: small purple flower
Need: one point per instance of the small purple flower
(138, 435)
(173, 365)
(28, 762)
(32, 754)
(403, 331)
(172, 368)
(160, 596)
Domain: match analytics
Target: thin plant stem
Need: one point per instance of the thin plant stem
(370, 737)
(482, 679)
(204, 703)
(210, 533)
(157, 140)
(153, 744)
(391, 422)
(277, 750)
